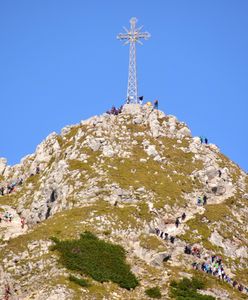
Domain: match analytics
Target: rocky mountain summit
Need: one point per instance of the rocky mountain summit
(126, 178)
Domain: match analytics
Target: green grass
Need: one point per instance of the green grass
(198, 231)
(217, 212)
(154, 292)
(75, 164)
(168, 187)
(80, 281)
(9, 199)
(151, 243)
(101, 260)
(32, 179)
(187, 289)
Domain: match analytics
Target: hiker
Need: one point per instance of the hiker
(2, 191)
(220, 173)
(120, 109)
(183, 216)
(177, 222)
(6, 216)
(234, 283)
(7, 292)
(201, 139)
(10, 217)
(166, 258)
(187, 250)
(206, 141)
(199, 200)
(194, 265)
(155, 104)
(172, 239)
(37, 170)
(1, 218)
(204, 200)
(141, 100)
(166, 235)
(22, 222)
(157, 231)
(240, 288)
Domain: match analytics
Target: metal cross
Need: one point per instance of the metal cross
(132, 36)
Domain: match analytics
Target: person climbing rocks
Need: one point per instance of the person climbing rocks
(2, 191)
(220, 173)
(187, 250)
(172, 239)
(177, 223)
(157, 231)
(7, 292)
(204, 200)
(183, 216)
(6, 216)
(10, 217)
(22, 222)
(37, 170)
(166, 235)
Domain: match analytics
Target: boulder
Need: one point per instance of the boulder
(3, 164)
(131, 109)
(108, 151)
(138, 119)
(211, 172)
(185, 131)
(159, 258)
(94, 144)
(151, 150)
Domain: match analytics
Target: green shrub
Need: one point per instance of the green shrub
(80, 281)
(101, 260)
(186, 289)
(153, 292)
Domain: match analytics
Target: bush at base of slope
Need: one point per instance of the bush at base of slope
(187, 289)
(101, 260)
(154, 292)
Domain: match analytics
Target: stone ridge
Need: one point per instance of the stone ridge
(121, 177)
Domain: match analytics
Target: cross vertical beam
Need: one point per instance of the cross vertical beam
(132, 36)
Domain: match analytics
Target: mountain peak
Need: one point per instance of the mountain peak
(128, 176)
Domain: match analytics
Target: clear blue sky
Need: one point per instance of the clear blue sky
(60, 62)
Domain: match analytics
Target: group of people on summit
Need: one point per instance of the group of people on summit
(116, 111)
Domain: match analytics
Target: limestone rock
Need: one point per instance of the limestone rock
(151, 150)
(3, 164)
(94, 144)
(185, 131)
